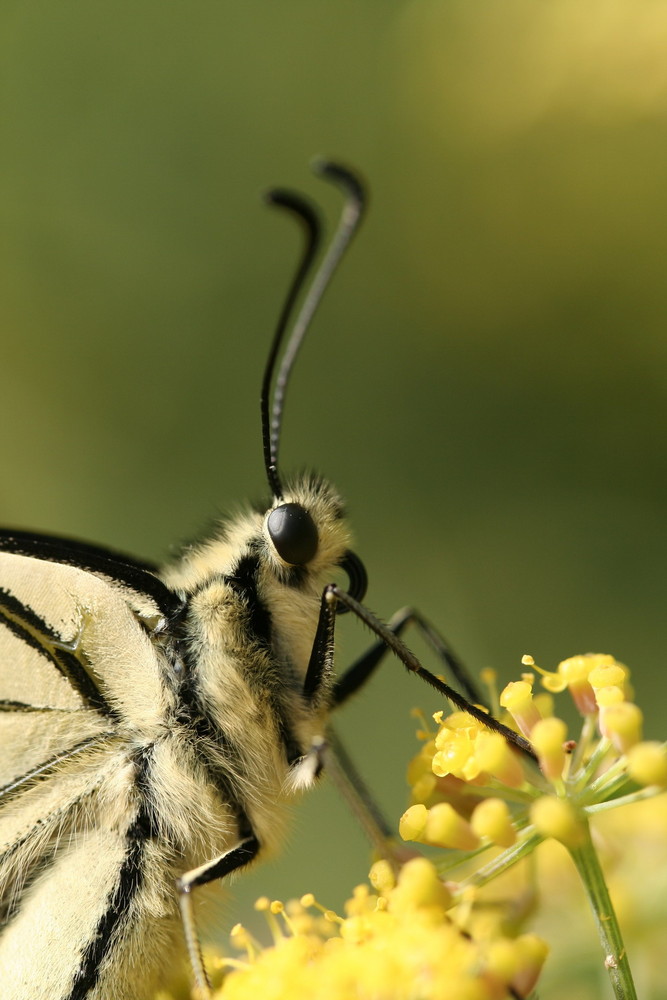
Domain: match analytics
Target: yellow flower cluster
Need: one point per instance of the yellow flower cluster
(396, 942)
(471, 788)
(431, 932)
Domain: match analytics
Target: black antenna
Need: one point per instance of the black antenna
(355, 200)
(308, 216)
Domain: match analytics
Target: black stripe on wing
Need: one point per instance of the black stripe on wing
(6, 705)
(35, 860)
(133, 573)
(131, 875)
(31, 629)
(48, 768)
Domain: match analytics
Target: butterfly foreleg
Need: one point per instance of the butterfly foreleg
(216, 868)
(361, 670)
(389, 636)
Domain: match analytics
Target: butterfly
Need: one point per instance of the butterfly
(155, 722)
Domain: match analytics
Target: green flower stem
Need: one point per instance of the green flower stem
(616, 960)
(612, 778)
(503, 861)
(587, 736)
(626, 800)
(583, 778)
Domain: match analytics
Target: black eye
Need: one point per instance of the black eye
(293, 533)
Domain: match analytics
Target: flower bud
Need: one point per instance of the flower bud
(548, 737)
(553, 817)
(517, 698)
(419, 886)
(493, 755)
(622, 724)
(492, 819)
(412, 823)
(647, 763)
(446, 828)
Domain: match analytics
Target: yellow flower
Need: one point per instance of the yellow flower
(556, 817)
(468, 750)
(548, 737)
(399, 943)
(504, 800)
(647, 763)
(517, 698)
(575, 674)
(493, 820)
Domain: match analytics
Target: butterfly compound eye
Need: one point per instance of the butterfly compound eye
(293, 533)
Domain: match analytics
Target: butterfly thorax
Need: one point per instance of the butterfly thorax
(245, 638)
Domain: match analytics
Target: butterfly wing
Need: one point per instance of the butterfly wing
(83, 692)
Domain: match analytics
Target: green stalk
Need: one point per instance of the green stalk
(503, 862)
(616, 960)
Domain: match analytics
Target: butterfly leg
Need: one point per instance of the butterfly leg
(389, 636)
(358, 673)
(340, 767)
(412, 664)
(227, 863)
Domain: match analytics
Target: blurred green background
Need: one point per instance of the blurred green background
(486, 381)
